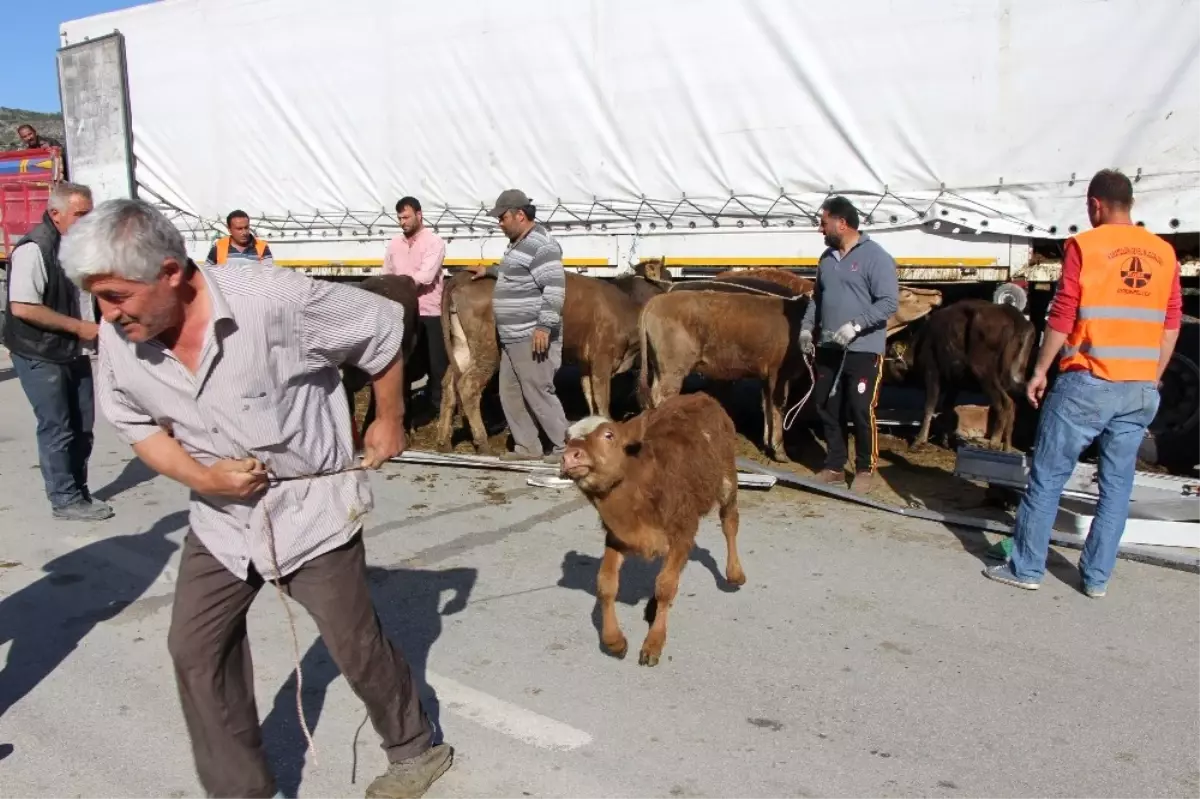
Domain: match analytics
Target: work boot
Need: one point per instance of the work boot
(410, 779)
(863, 482)
(833, 477)
(84, 511)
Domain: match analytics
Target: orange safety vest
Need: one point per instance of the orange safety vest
(260, 247)
(1125, 283)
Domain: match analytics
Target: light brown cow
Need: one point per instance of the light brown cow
(599, 335)
(652, 479)
(723, 336)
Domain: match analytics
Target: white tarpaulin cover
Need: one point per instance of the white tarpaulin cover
(992, 110)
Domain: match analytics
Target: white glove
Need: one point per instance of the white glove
(806, 343)
(844, 335)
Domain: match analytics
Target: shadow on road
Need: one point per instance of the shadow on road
(637, 580)
(46, 620)
(133, 475)
(409, 604)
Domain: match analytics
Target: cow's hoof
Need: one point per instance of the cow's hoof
(737, 578)
(920, 446)
(443, 446)
(647, 658)
(778, 456)
(617, 649)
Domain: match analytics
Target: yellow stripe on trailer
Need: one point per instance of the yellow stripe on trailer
(373, 262)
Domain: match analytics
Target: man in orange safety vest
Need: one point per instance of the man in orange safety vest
(240, 243)
(1113, 325)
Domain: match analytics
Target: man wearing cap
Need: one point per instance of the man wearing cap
(527, 303)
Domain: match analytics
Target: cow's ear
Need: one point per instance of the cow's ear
(633, 448)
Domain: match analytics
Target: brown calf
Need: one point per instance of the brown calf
(795, 284)
(971, 342)
(723, 336)
(600, 335)
(652, 479)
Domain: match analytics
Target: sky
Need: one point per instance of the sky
(28, 75)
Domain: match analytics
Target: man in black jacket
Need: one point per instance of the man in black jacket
(51, 333)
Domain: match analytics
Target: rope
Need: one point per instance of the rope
(273, 480)
(794, 412)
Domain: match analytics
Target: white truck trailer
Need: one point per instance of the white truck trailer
(703, 132)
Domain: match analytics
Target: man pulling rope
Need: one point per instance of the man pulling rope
(240, 365)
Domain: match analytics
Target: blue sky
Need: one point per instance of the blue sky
(28, 76)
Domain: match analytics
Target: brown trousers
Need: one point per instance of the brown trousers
(215, 676)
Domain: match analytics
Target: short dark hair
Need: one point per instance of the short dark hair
(25, 126)
(530, 211)
(843, 209)
(408, 202)
(1112, 187)
(238, 214)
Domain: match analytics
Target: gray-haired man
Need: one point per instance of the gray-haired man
(241, 365)
(51, 333)
(531, 287)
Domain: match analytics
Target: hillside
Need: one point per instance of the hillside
(46, 124)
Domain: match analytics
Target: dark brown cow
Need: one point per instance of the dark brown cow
(600, 336)
(652, 479)
(966, 344)
(402, 290)
(650, 278)
(723, 335)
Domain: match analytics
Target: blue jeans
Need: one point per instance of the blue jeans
(1080, 409)
(61, 396)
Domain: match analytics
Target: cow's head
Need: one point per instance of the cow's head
(898, 360)
(653, 269)
(598, 452)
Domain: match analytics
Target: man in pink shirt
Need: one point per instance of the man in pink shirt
(419, 254)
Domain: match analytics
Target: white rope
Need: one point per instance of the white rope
(794, 412)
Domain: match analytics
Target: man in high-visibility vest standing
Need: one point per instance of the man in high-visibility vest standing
(1114, 323)
(240, 243)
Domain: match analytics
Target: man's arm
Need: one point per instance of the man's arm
(1171, 325)
(809, 320)
(548, 273)
(885, 292)
(27, 284)
(431, 263)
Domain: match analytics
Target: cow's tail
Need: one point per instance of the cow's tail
(450, 324)
(646, 352)
(1020, 364)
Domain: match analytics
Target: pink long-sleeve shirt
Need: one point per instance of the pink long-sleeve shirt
(421, 259)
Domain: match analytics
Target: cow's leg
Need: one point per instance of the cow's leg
(668, 384)
(1002, 408)
(666, 586)
(729, 526)
(932, 391)
(601, 379)
(607, 583)
(474, 381)
(445, 422)
(775, 398)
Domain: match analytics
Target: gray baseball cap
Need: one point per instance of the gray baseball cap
(509, 200)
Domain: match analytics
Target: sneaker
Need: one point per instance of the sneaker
(1095, 591)
(1004, 574)
(410, 779)
(863, 483)
(84, 511)
(833, 477)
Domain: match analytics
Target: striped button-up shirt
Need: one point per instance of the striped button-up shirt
(267, 387)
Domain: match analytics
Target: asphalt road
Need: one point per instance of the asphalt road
(866, 656)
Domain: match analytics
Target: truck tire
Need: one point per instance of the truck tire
(1011, 294)
(1173, 440)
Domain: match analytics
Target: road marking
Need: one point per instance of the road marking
(505, 717)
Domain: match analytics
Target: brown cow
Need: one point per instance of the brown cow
(795, 284)
(969, 342)
(652, 479)
(650, 278)
(723, 335)
(600, 335)
(402, 290)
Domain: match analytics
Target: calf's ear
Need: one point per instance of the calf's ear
(633, 448)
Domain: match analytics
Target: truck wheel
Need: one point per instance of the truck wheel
(1011, 294)
(1175, 441)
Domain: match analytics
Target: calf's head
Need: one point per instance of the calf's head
(598, 452)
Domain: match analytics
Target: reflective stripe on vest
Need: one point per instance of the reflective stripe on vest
(223, 244)
(1125, 282)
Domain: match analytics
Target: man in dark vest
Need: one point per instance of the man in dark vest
(51, 333)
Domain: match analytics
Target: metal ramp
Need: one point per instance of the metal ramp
(1164, 510)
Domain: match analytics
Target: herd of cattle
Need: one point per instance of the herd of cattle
(742, 324)
(738, 325)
